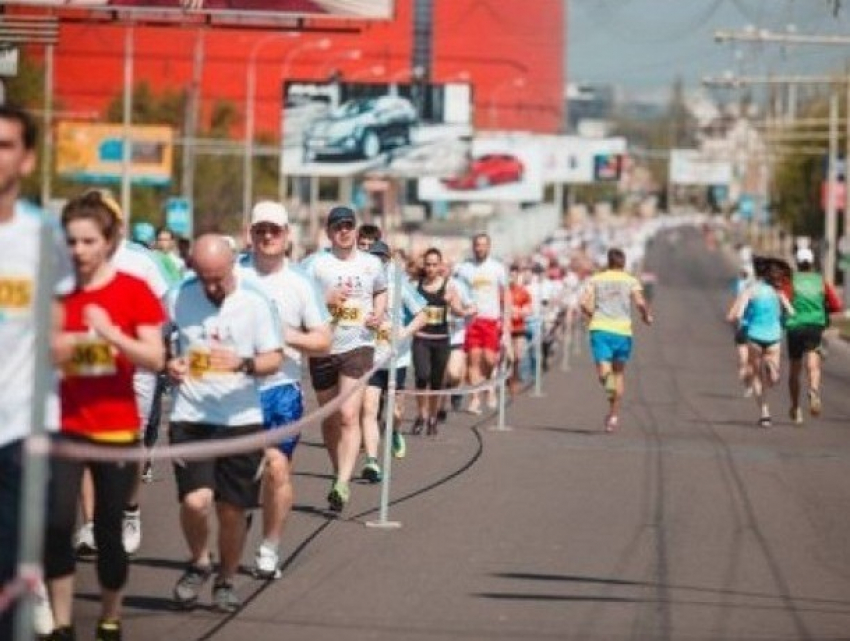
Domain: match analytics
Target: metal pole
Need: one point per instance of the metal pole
(395, 318)
(538, 359)
(47, 153)
(191, 120)
(248, 158)
(127, 146)
(35, 471)
(503, 392)
(832, 179)
(846, 243)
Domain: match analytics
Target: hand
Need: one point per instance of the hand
(338, 295)
(177, 368)
(99, 320)
(223, 359)
(372, 321)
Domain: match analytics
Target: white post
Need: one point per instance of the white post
(47, 154)
(538, 359)
(127, 147)
(248, 142)
(832, 179)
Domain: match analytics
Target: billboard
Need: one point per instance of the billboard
(499, 168)
(580, 160)
(692, 167)
(367, 9)
(94, 153)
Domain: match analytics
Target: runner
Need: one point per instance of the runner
(366, 235)
(354, 286)
(607, 302)
(813, 300)
(306, 330)
(431, 348)
(745, 373)
(456, 367)
(228, 335)
(113, 324)
(20, 227)
(520, 304)
(487, 279)
(760, 306)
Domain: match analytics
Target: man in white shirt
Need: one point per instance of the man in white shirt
(228, 337)
(306, 330)
(355, 289)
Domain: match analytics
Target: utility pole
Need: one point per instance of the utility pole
(190, 120)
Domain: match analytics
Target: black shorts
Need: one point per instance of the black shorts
(803, 339)
(233, 479)
(741, 336)
(381, 379)
(762, 345)
(326, 370)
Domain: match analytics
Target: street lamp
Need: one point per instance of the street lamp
(514, 83)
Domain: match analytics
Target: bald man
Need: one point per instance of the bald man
(228, 335)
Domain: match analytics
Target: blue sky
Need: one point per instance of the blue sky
(643, 45)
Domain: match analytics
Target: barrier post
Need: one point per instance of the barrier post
(503, 390)
(395, 320)
(35, 471)
(566, 343)
(538, 360)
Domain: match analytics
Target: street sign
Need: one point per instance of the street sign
(178, 216)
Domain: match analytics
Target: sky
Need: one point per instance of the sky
(643, 45)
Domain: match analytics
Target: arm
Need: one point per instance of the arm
(314, 341)
(587, 302)
(643, 306)
(147, 351)
(738, 306)
(456, 304)
(416, 324)
(379, 311)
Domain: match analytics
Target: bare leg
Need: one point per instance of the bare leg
(278, 495)
(330, 426)
(369, 418)
(194, 519)
(231, 538)
(348, 431)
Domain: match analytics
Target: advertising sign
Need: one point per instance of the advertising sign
(88, 152)
(499, 169)
(580, 160)
(691, 167)
(178, 216)
(371, 9)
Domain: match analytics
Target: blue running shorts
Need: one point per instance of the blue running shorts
(608, 347)
(282, 405)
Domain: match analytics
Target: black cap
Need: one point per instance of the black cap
(380, 248)
(339, 214)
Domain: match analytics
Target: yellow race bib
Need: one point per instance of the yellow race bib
(347, 315)
(435, 315)
(15, 296)
(91, 356)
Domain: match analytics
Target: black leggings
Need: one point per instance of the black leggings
(112, 485)
(430, 357)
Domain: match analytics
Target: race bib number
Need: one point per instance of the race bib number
(347, 315)
(435, 315)
(91, 356)
(481, 283)
(383, 335)
(200, 363)
(15, 296)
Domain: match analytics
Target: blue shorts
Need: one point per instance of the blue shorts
(608, 347)
(282, 405)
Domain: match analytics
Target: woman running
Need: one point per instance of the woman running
(112, 325)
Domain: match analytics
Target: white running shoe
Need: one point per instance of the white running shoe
(131, 531)
(267, 562)
(84, 544)
(42, 614)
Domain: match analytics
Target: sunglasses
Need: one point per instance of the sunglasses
(345, 225)
(264, 229)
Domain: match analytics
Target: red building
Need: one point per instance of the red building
(511, 54)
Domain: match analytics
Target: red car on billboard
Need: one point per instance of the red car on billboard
(488, 170)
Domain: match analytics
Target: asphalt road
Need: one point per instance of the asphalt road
(689, 523)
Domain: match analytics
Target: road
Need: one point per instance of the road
(690, 523)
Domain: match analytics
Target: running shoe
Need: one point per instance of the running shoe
(457, 402)
(796, 415)
(108, 630)
(765, 422)
(65, 633)
(224, 597)
(131, 531)
(84, 544)
(372, 471)
(189, 585)
(492, 399)
(432, 426)
(266, 562)
(474, 407)
(147, 472)
(611, 423)
(399, 446)
(42, 615)
(338, 496)
(815, 406)
(442, 416)
(418, 425)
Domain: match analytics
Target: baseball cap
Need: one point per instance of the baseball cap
(339, 214)
(380, 248)
(805, 255)
(268, 211)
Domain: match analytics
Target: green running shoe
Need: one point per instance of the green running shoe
(399, 446)
(338, 496)
(372, 471)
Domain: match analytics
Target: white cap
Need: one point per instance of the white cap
(805, 255)
(268, 211)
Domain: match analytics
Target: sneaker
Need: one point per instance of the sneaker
(147, 472)
(108, 631)
(224, 597)
(189, 585)
(338, 496)
(611, 423)
(432, 426)
(65, 633)
(398, 445)
(131, 531)
(417, 426)
(84, 544)
(266, 562)
(796, 415)
(474, 407)
(457, 402)
(372, 471)
(765, 422)
(442, 416)
(42, 615)
(492, 399)
(815, 406)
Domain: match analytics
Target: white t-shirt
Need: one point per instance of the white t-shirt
(299, 305)
(19, 258)
(457, 324)
(247, 323)
(412, 302)
(486, 280)
(364, 275)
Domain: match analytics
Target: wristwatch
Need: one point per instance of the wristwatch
(247, 366)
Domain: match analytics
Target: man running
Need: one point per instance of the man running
(228, 335)
(488, 331)
(607, 302)
(306, 330)
(812, 299)
(355, 289)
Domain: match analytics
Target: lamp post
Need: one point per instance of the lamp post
(514, 83)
